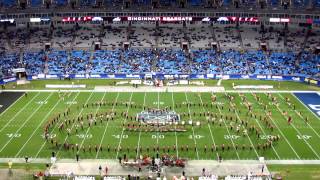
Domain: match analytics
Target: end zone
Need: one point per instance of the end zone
(310, 100)
(7, 99)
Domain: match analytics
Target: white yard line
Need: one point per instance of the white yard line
(214, 143)
(228, 132)
(25, 122)
(74, 124)
(195, 142)
(304, 120)
(262, 129)
(39, 125)
(125, 120)
(104, 94)
(173, 89)
(280, 111)
(138, 149)
(16, 114)
(246, 133)
(55, 126)
(106, 127)
(175, 127)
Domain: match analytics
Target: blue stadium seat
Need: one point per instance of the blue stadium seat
(61, 2)
(8, 3)
(274, 3)
(195, 2)
(36, 3)
(87, 2)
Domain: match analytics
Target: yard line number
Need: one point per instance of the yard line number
(84, 136)
(157, 136)
(118, 136)
(231, 137)
(13, 135)
(303, 137)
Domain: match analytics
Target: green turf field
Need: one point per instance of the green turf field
(22, 126)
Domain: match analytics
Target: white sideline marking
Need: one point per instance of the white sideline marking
(105, 129)
(116, 89)
(88, 129)
(44, 143)
(35, 130)
(16, 114)
(25, 122)
(125, 120)
(195, 142)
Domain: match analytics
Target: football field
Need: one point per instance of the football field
(103, 125)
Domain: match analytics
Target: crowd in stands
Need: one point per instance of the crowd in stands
(159, 50)
(166, 61)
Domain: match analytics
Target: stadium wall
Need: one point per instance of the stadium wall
(169, 76)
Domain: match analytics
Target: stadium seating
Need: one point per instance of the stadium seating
(8, 3)
(57, 62)
(9, 62)
(34, 62)
(172, 62)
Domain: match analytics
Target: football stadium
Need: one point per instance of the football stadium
(150, 89)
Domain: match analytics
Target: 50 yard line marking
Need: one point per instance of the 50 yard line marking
(59, 150)
(125, 120)
(26, 105)
(55, 126)
(138, 149)
(105, 129)
(104, 94)
(25, 122)
(195, 142)
(175, 127)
